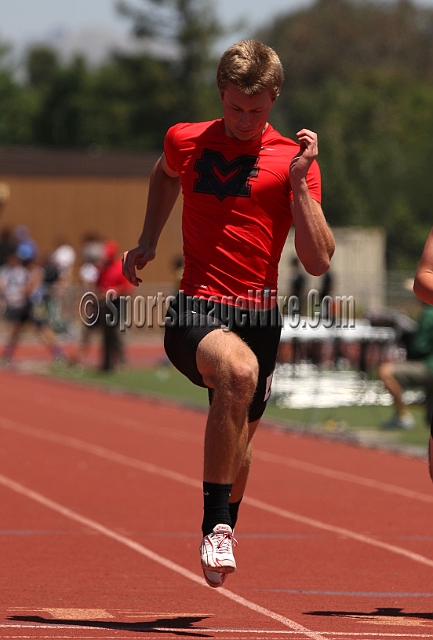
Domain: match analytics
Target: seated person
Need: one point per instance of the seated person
(416, 371)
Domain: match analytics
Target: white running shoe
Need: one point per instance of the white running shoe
(214, 579)
(216, 551)
(405, 421)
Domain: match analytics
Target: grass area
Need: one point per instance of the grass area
(356, 419)
(166, 382)
(163, 382)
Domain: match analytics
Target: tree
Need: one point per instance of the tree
(127, 103)
(42, 66)
(360, 74)
(130, 103)
(340, 38)
(188, 29)
(58, 122)
(17, 107)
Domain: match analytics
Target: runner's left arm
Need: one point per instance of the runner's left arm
(314, 241)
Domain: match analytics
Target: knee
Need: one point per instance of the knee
(385, 371)
(242, 375)
(227, 364)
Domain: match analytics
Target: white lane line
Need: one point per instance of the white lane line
(54, 626)
(342, 475)
(207, 629)
(292, 634)
(186, 436)
(120, 421)
(416, 557)
(147, 627)
(151, 555)
(179, 477)
(97, 450)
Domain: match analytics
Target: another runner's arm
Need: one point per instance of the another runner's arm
(314, 241)
(164, 189)
(423, 283)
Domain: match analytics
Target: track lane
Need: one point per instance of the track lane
(184, 479)
(339, 461)
(173, 567)
(158, 470)
(310, 574)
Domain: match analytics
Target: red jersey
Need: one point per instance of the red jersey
(236, 212)
(111, 277)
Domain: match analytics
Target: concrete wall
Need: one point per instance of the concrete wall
(357, 268)
(74, 206)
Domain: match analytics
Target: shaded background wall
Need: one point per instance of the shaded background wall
(357, 267)
(60, 194)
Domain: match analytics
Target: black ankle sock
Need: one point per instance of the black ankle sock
(216, 506)
(234, 508)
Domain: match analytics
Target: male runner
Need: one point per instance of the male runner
(243, 184)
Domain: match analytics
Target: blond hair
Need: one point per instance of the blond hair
(252, 67)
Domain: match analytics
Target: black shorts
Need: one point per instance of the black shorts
(17, 315)
(36, 313)
(189, 319)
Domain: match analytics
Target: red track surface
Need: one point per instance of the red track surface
(100, 513)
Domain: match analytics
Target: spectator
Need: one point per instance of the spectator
(23, 289)
(88, 276)
(111, 277)
(92, 248)
(416, 371)
(7, 245)
(62, 259)
(24, 243)
(297, 292)
(13, 280)
(297, 285)
(325, 293)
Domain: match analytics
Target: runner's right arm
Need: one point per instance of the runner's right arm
(163, 192)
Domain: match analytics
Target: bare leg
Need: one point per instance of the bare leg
(50, 340)
(230, 368)
(240, 483)
(394, 388)
(47, 335)
(12, 341)
(83, 346)
(430, 457)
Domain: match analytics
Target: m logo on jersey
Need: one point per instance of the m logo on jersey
(221, 178)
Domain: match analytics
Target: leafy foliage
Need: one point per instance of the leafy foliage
(16, 107)
(360, 74)
(189, 28)
(127, 103)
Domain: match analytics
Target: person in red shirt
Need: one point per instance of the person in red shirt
(243, 184)
(111, 278)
